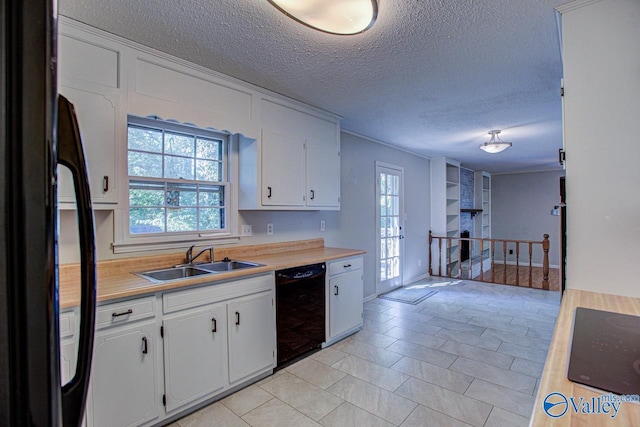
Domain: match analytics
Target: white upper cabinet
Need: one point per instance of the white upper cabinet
(289, 153)
(295, 165)
(282, 166)
(323, 173)
(88, 75)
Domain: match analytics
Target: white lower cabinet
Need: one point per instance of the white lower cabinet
(195, 355)
(345, 302)
(68, 346)
(214, 337)
(345, 298)
(251, 335)
(123, 377)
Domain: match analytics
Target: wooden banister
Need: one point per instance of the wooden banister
(447, 262)
(545, 262)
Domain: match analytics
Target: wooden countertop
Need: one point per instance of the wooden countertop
(115, 279)
(554, 376)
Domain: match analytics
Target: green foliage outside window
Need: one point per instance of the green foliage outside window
(176, 178)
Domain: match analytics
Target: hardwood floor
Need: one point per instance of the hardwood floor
(523, 276)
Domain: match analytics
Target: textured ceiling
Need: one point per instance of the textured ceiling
(432, 77)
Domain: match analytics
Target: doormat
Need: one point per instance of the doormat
(410, 294)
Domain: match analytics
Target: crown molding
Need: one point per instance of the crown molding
(576, 4)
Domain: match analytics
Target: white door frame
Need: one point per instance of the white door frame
(386, 285)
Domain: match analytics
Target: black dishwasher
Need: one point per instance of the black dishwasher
(300, 311)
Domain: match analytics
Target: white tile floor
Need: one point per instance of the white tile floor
(470, 355)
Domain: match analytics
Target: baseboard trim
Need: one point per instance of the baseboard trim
(370, 297)
(416, 279)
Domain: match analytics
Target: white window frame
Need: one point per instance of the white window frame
(125, 242)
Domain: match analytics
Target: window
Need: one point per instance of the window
(178, 180)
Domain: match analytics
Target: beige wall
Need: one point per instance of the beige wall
(521, 206)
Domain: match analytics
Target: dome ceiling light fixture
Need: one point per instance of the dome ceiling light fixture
(495, 145)
(342, 17)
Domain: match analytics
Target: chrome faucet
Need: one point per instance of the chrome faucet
(190, 258)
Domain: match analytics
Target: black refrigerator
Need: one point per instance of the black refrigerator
(39, 131)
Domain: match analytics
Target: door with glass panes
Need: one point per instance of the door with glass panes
(389, 226)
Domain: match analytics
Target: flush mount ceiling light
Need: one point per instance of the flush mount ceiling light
(343, 17)
(495, 145)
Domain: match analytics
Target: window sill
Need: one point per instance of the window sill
(147, 245)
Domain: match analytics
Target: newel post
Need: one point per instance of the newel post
(430, 241)
(545, 262)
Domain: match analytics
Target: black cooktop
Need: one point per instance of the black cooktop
(605, 351)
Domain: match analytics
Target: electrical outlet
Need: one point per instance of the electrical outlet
(510, 251)
(322, 225)
(270, 229)
(419, 262)
(247, 230)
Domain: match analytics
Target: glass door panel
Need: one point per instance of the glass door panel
(390, 221)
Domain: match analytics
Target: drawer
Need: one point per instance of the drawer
(67, 324)
(209, 294)
(345, 265)
(125, 312)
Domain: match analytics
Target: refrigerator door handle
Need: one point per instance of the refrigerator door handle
(71, 155)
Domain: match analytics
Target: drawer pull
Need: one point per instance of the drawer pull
(105, 183)
(337, 290)
(237, 318)
(347, 266)
(145, 345)
(313, 194)
(130, 311)
(269, 192)
(215, 325)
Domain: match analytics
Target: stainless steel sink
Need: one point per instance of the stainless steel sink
(220, 266)
(174, 273)
(186, 271)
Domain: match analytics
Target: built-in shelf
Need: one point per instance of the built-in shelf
(473, 212)
(445, 210)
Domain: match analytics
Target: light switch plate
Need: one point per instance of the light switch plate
(247, 230)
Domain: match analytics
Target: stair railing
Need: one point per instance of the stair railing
(453, 267)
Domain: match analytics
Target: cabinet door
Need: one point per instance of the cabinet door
(323, 173)
(123, 376)
(68, 355)
(195, 355)
(282, 170)
(252, 335)
(97, 118)
(345, 302)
